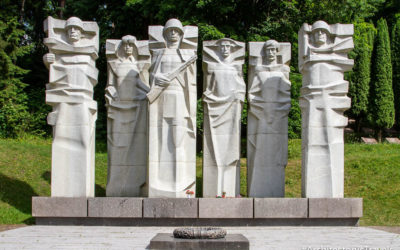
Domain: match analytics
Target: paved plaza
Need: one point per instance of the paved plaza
(101, 237)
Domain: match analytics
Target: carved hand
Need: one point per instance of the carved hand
(239, 96)
(161, 80)
(112, 92)
(48, 59)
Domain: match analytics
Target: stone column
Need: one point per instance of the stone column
(323, 60)
(267, 121)
(172, 110)
(127, 86)
(223, 97)
(73, 47)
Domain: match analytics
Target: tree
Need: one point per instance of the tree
(381, 108)
(360, 77)
(14, 118)
(396, 68)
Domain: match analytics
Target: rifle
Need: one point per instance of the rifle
(156, 90)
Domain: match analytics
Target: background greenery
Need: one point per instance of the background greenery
(23, 75)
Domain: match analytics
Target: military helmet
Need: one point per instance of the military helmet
(320, 25)
(74, 21)
(173, 23)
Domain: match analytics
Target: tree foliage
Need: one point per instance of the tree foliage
(14, 118)
(243, 20)
(381, 108)
(396, 68)
(360, 77)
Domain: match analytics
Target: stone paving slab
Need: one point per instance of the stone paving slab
(115, 207)
(230, 242)
(170, 208)
(59, 207)
(100, 237)
(226, 208)
(280, 208)
(335, 207)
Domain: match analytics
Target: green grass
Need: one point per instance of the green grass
(371, 172)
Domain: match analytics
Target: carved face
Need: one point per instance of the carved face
(320, 37)
(270, 52)
(225, 48)
(74, 34)
(173, 35)
(128, 49)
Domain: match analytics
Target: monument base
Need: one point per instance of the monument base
(118, 211)
(167, 241)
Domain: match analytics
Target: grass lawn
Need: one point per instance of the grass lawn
(371, 172)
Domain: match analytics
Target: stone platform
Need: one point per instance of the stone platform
(112, 211)
(167, 241)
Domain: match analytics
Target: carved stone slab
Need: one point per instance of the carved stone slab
(267, 122)
(231, 241)
(73, 47)
(367, 140)
(323, 60)
(172, 110)
(115, 207)
(223, 97)
(126, 102)
(393, 140)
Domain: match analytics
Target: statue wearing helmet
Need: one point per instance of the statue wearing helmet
(172, 110)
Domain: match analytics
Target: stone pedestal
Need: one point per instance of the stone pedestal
(129, 211)
(231, 241)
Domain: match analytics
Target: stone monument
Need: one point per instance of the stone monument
(172, 110)
(267, 122)
(73, 47)
(127, 86)
(323, 60)
(223, 97)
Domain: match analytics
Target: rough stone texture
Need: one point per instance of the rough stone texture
(280, 208)
(172, 110)
(73, 48)
(367, 140)
(170, 208)
(127, 86)
(335, 208)
(267, 122)
(167, 241)
(223, 97)
(226, 208)
(112, 207)
(199, 233)
(323, 60)
(59, 207)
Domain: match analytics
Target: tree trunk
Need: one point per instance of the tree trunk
(62, 6)
(22, 11)
(380, 135)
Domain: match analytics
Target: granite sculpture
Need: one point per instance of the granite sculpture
(126, 102)
(172, 110)
(223, 97)
(73, 48)
(323, 60)
(267, 121)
